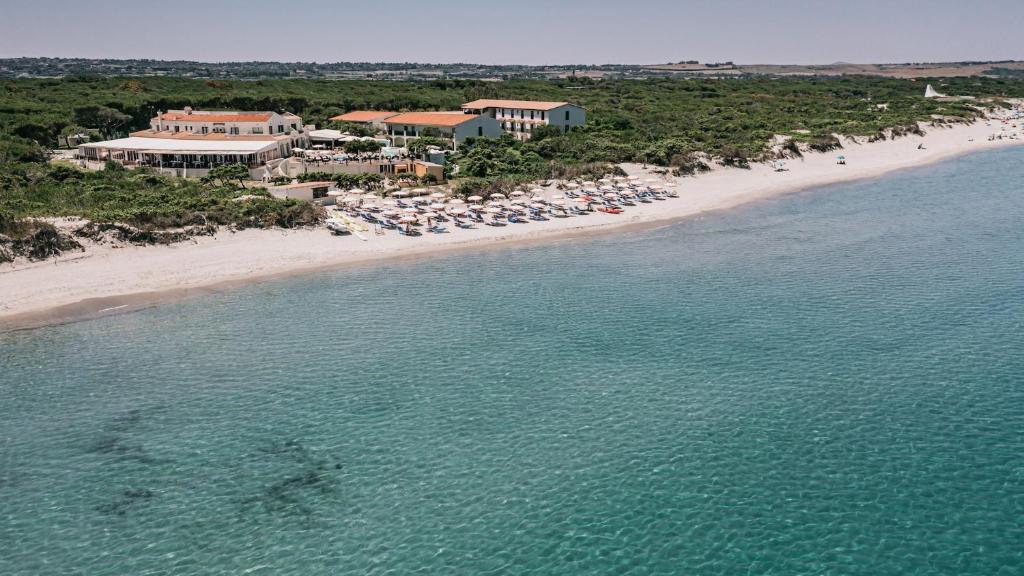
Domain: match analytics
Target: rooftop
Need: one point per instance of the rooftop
(521, 104)
(185, 146)
(215, 116)
(446, 119)
(312, 184)
(363, 116)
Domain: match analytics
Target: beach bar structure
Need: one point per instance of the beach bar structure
(183, 157)
(520, 117)
(189, 143)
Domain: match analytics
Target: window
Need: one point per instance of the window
(566, 116)
(320, 192)
(177, 128)
(479, 130)
(280, 128)
(522, 114)
(257, 129)
(541, 114)
(205, 129)
(531, 114)
(234, 130)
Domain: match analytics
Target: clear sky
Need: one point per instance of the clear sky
(517, 31)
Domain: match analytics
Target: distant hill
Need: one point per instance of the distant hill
(63, 67)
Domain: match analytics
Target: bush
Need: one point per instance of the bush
(825, 144)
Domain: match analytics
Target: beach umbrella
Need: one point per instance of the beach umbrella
(408, 219)
(656, 186)
(457, 211)
(456, 201)
(537, 206)
(519, 201)
(419, 199)
(437, 206)
(371, 207)
(493, 210)
(438, 195)
(572, 185)
(557, 197)
(497, 196)
(400, 193)
(476, 207)
(390, 202)
(357, 191)
(517, 193)
(475, 198)
(633, 178)
(419, 190)
(537, 198)
(390, 212)
(588, 184)
(558, 202)
(494, 203)
(369, 196)
(609, 195)
(334, 193)
(536, 191)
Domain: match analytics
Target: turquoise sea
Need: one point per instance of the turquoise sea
(830, 382)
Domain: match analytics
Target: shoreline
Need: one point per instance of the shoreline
(108, 280)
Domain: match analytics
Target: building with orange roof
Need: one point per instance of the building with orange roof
(374, 118)
(190, 142)
(521, 117)
(230, 123)
(456, 126)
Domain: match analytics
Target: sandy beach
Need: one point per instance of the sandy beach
(108, 279)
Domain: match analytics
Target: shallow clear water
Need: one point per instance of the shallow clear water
(826, 383)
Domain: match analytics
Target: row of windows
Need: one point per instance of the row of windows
(517, 126)
(414, 131)
(219, 129)
(534, 114)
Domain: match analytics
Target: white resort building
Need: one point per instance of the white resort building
(455, 126)
(520, 117)
(189, 142)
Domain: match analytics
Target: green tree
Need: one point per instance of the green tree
(419, 146)
(104, 118)
(228, 173)
(359, 146)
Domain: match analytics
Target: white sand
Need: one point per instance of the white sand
(104, 277)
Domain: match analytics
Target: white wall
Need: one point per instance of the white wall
(481, 126)
(577, 116)
(196, 122)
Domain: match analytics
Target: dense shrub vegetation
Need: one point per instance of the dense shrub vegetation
(681, 124)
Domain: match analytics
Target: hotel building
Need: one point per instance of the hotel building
(521, 117)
